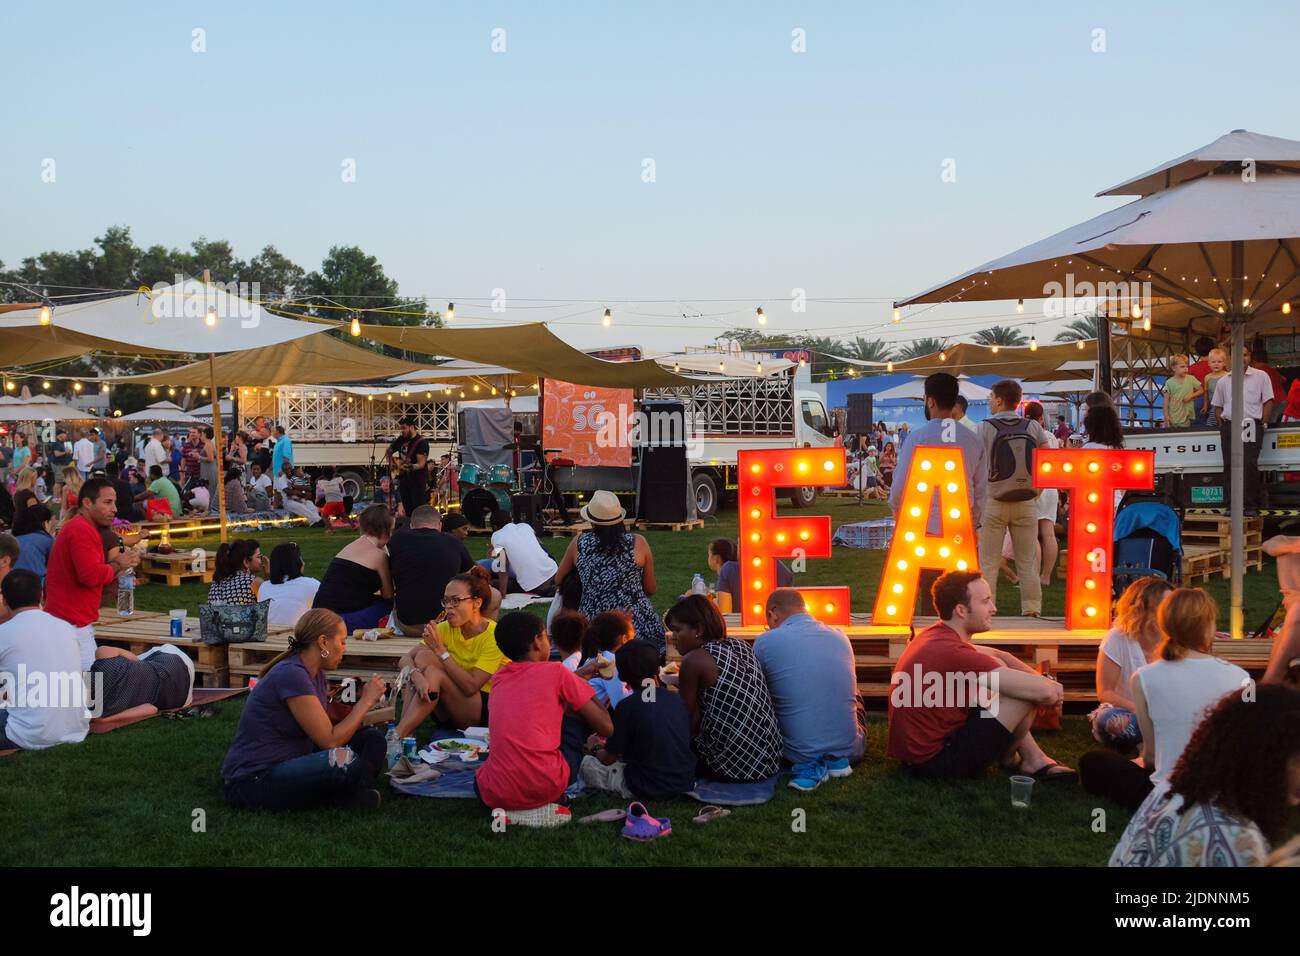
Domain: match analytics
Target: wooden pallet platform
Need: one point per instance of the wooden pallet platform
(1203, 562)
(362, 659)
(567, 529)
(174, 569)
(138, 635)
(692, 525)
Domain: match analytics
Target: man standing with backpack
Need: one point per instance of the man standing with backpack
(1012, 502)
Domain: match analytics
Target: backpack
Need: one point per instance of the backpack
(1010, 459)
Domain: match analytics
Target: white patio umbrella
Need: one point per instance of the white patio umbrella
(1214, 234)
(40, 409)
(914, 389)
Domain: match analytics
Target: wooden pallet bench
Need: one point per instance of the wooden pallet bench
(175, 569)
(693, 524)
(1202, 562)
(362, 658)
(1217, 530)
(138, 635)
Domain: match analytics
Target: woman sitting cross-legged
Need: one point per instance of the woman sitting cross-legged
(286, 753)
(454, 662)
(733, 722)
(1129, 645)
(1231, 794)
(358, 584)
(236, 576)
(1170, 697)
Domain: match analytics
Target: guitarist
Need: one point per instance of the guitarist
(408, 457)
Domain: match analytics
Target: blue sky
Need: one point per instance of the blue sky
(523, 170)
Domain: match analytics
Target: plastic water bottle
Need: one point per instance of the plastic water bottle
(126, 593)
(393, 744)
(698, 586)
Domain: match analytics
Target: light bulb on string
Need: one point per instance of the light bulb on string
(1286, 308)
(203, 391)
(722, 365)
(1146, 323)
(1033, 343)
(607, 319)
(1136, 310)
(451, 311)
(210, 316)
(943, 356)
(996, 348)
(1079, 344)
(171, 391)
(355, 327)
(47, 314)
(677, 367)
(898, 316)
(1020, 305)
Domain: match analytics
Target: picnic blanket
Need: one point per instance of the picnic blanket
(734, 794)
(202, 697)
(874, 534)
(456, 777)
(517, 601)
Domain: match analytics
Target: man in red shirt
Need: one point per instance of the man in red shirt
(77, 571)
(526, 771)
(955, 708)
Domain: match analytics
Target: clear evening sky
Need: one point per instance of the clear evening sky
(524, 170)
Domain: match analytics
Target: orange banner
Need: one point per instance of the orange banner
(590, 424)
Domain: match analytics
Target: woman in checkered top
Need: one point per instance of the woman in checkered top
(733, 723)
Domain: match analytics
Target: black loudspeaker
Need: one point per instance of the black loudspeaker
(527, 509)
(860, 417)
(665, 478)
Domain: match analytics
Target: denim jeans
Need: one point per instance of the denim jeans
(317, 778)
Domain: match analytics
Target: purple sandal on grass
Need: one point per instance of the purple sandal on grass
(641, 826)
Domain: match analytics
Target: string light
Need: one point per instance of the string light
(898, 316)
(758, 368)
(10, 386)
(943, 356)
(762, 319)
(1079, 344)
(1033, 343)
(1136, 310)
(1286, 308)
(1020, 305)
(210, 317)
(677, 367)
(355, 327)
(889, 366)
(607, 319)
(451, 311)
(76, 386)
(153, 389)
(203, 391)
(722, 365)
(47, 314)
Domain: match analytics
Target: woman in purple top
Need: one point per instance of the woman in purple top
(287, 752)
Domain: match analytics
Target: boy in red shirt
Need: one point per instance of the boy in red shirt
(77, 571)
(955, 708)
(526, 772)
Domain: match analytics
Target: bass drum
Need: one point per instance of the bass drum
(477, 505)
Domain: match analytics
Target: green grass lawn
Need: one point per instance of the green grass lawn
(130, 797)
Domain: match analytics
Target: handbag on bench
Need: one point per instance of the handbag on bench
(233, 623)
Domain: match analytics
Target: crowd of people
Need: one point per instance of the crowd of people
(1207, 759)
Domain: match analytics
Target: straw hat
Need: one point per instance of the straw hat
(603, 509)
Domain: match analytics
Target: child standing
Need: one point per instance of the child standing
(1218, 360)
(526, 773)
(649, 756)
(1181, 392)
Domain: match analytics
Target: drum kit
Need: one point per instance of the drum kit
(484, 490)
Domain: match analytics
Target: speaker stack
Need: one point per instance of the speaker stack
(860, 416)
(664, 488)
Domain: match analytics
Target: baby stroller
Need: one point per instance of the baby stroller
(1147, 542)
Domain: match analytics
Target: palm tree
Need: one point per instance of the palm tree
(1000, 335)
(866, 350)
(1078, 330)
(920, 347)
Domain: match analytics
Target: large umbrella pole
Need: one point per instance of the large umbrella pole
(216, 438)
(1105, 378)
(1236, 510)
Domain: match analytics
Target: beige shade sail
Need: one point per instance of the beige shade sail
(532, 349)
(319, 359)
(1020, 362)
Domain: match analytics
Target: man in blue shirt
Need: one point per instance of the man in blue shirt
(812, 677)
(282, 452)
(941, 428)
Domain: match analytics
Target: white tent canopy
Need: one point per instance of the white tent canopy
(171, 319)
(164, 412)
(914, 390)
(40, 409)
(1065, 386)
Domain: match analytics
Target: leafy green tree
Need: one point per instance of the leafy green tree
(1000, 335)
(919, 347)
(1077, 330)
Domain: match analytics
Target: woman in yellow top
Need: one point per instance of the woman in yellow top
(455, 660)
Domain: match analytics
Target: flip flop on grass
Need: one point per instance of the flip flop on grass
(1045, 773)
(712, 813)
(606, 816)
